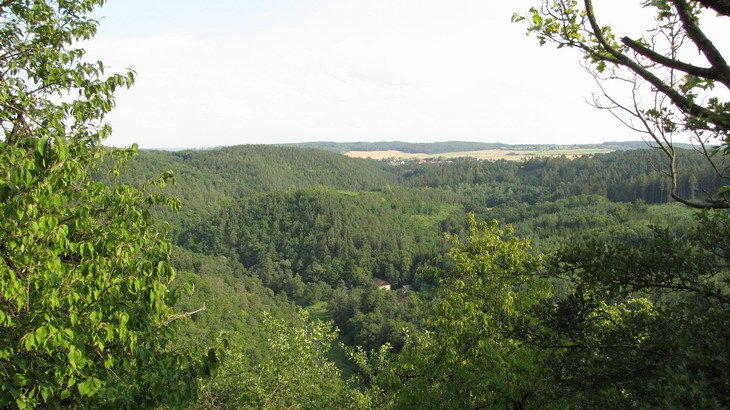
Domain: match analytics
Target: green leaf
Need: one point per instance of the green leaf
(89, 387)
(74, 358)
(40, 334)
(45, 393)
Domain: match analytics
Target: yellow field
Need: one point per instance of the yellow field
(490, 154)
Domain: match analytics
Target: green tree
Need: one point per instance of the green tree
(294, 374)
(469, 357)
(84, 299)
(647, 324)
(643, 325)
(676, 78)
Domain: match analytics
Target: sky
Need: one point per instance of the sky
(229, 72)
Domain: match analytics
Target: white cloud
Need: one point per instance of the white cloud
(350, 70)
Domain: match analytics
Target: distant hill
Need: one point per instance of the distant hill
(631, 145)
(460, 146)
(409, 147)
(207, 178)
(322, 234)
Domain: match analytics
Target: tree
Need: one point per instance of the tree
(294, 374)
(85, 317)
(470, 357)
(643, 325)
(646, 325)
(677, 79)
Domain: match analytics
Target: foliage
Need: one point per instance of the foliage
(584, 218)
(373, 317)
(676, 77)
(644, 324)
(209, 179)
(303, 243)
(295, 374)
(625, 315)
(469, 358)
(621, 176)
(85, 317)
(235, 303)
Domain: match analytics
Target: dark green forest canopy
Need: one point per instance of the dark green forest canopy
(620, 176)
(379, 220)
(307, 244)
(207, 179)
(276, 227)
(322, 235)
(247, 169)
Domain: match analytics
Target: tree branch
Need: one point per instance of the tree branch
(713, 55)
(669, 62)
(180, 316)
(680, 101)
(722, 7)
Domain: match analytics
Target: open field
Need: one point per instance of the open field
(337, 354)
(489, 154)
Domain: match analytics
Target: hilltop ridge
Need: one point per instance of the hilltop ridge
(443, 147)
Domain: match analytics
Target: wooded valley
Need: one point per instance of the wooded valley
(260, 276)
(278, 238)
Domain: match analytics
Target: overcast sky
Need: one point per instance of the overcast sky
(227, 72)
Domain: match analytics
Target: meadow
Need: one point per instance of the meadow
(487, 154)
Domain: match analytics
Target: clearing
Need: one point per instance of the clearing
(489, 154)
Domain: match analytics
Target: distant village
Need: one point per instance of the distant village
(400, 161)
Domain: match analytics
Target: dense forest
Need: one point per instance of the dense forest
(321, 242)
(295, 277)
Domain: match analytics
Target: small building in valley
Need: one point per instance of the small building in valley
(381, 284)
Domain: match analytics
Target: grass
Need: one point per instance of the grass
(436, 218)
(337, 354)
(489, 154)
(347, 193)
(318, 311)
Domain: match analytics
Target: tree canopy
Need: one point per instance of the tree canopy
(85, 307)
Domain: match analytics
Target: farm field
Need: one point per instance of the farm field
(488, 154)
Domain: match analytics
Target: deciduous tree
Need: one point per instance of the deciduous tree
(675, 77)
(469, 357)
(85, 315)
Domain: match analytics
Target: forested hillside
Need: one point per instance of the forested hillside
(207, 179)
(267, 231)
(289, 239)
(288, 235)
(621, 176)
